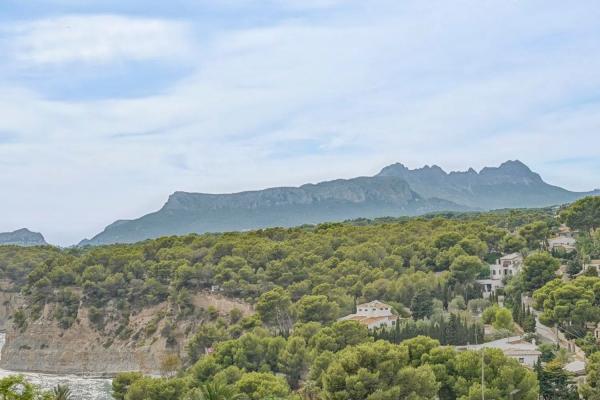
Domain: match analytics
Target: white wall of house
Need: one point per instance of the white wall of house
(506, 266)
(374, 309)
(386, 322)
(529, 360)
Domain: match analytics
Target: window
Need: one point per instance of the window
(521, 360)
(494, 272)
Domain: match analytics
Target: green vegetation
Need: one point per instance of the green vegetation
(555, 382)
(591, 389)
(301, 281)
(324, 269)
(338, 362)
(16, 387)
(583, 215)
(571, 305)
(448, 330)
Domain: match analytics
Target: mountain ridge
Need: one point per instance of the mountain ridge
(395, 191)
(22, 237)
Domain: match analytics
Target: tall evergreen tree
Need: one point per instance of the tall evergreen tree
(421, 305)
(556, 383)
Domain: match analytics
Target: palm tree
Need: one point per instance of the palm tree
(62, 392)
(215, 391)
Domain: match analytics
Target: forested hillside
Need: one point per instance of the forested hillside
(336, 264)
(257, 313)
(299, 281)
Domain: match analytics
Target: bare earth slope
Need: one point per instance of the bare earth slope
(81, 349)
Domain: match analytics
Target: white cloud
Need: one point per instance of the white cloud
(457, 85)
(97, 39)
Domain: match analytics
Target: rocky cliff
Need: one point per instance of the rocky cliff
(9, 302)
(43, 346)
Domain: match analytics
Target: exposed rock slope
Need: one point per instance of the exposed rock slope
(43, 346)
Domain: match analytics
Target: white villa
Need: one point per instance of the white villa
(514, 347)
(506, 266)
(565, 240)
(374, 315)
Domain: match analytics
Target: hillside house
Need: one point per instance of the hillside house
(514, 347)
(591, 263)
(374, 314)
(505, 267)
(564, 239)
(565, 231)
(565, 243)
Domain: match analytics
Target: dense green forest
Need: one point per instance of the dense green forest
(300, 281)
(323, 270)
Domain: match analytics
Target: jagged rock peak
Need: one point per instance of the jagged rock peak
(510, 166)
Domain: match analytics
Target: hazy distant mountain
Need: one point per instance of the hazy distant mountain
(22, 237)
(395, 191)
(511, 185)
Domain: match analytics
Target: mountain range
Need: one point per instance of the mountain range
(22, 237)
(395, 191)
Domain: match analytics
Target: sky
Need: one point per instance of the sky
(108, 106)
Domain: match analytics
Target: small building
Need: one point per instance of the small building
(514, 347)
(490, 286)
(374, 314)
(565, 231)
(592, 263)
(505, 267)
(577, 369)
(565, 243)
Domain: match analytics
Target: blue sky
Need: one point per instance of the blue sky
(107, 107)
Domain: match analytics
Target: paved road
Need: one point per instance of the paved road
(547, 334)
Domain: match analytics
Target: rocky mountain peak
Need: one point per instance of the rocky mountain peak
(511, 172)
(22, 237)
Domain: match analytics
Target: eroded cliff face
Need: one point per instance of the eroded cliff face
(9, 302)
(43, 346)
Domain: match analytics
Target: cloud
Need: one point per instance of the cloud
(298, 99)
(8, 137)
(97, 39)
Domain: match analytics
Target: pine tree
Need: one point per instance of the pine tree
(421, 305)
(555, 382)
